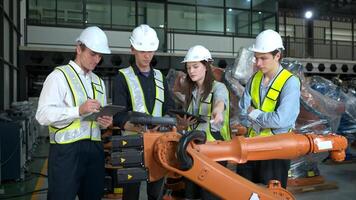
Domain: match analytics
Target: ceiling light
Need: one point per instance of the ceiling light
(308, 14)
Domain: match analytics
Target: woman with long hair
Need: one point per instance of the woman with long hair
(208, 99)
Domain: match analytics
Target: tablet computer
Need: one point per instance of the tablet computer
(181, 113)
(108, 110)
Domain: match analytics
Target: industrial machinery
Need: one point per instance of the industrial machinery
(155, 154)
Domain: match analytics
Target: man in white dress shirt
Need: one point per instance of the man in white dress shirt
(70, 92)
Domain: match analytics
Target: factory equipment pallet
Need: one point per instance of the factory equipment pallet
(310, 184)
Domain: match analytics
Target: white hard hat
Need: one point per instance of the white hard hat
(95, 39)
(267, 41)
(197, 53)
(144, 38)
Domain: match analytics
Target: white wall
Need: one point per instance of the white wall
(52, 37)
(218, 45)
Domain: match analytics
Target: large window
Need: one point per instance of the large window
(269, 21)
(231, 17)
(210, 19)
(210, 2)
(264, 5)
(257, 25)
(183, 1)
(42, 11)
(181, 17)
(70, 12)
(151, 13)
(245, 4)
(262, 21)
(238, 22)
(123, 14)
(98, 12)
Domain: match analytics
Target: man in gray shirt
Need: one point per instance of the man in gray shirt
(269, 105)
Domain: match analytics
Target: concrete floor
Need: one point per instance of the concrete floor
(345, 177)
(343, 174)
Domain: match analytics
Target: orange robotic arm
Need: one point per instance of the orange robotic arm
(171, 152)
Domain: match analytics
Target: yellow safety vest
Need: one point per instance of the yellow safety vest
(270, 101)
(78, 129)
(205, 110)
(137, 96)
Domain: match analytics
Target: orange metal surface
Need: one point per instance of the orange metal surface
(160, 152)
(281, 146)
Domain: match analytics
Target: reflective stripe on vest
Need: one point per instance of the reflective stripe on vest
(77, 129)
(137, 96)
(205, 110)
(136, 93)
(269, 103)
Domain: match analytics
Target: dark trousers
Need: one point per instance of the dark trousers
(263, 171)
(131, 191)
(194, 191)
(76, 169)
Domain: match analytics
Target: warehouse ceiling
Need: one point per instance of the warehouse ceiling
(321, 7)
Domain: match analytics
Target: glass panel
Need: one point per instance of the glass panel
(70, 12)
(210, 19)
(161, 36)
(211, 2)
(123, 13)
(262, 21)
(257, 23)
(42, 11)
(98, 12)
(181, 17)
(245, 4)
(184, 1)
(151, 14)
(264, 5)
(238, 22)
(14, 10)
(269, 21)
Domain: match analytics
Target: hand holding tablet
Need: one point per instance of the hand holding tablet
(108, 110)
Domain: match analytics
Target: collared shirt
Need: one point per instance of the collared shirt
(220, 93)
(285, 115)
(55, 105)
(121, 95)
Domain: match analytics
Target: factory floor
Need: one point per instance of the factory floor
(341, 175)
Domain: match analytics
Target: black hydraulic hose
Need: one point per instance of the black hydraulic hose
(186, 161)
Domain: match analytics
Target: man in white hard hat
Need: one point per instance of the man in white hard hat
(269, 105)
(143, 89)
(70, 92)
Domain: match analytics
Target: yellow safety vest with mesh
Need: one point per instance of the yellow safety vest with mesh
(136, 93)
(78, 129)
(205, 110)
(269, 103)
